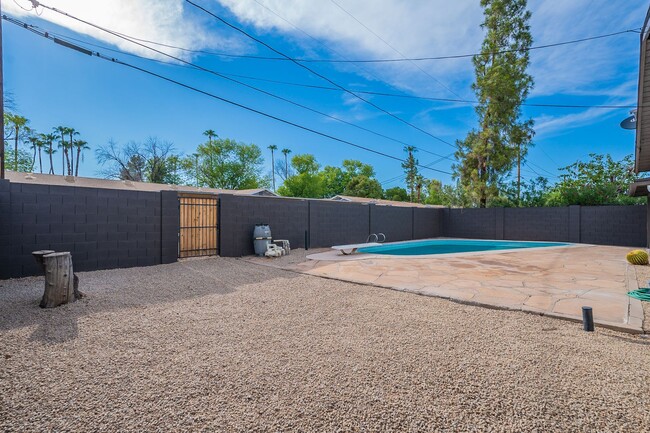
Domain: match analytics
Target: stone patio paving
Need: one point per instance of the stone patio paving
(551, 281)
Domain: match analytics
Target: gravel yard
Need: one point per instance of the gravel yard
(226, 345)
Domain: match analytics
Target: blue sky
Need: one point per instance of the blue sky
(54, 86)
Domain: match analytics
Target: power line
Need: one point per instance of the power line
(394, 49)
(409, 59)
(206, 93)
(196, 66)
(259, 41)
(329, 88)
(461, 56)
(403, 176)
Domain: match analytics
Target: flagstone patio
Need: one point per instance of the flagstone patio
(555, 281)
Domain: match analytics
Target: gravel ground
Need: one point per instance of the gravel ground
(227, 345)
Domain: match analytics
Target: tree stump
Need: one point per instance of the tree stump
(60, 287)
(38, 255)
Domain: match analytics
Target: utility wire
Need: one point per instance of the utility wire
(394, 49)
(329, 88)
(372, 104)
(196, 66)
(409, 59)
(314, 86)
(206, 93)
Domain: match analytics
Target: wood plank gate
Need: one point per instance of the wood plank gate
(199, 228)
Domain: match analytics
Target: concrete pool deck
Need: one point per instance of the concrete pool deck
(553, 281)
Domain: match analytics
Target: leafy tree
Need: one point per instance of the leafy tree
(502, 84)
(337, 179)
(363, 186)
(228, 164)
(307, 182)
(410, 167)
(531, 193)
(599, 181)
(150, 161)
(396, 194)
(24, 161)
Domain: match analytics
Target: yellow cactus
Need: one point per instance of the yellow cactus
(637, 257)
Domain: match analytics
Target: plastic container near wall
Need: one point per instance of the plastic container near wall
(261, 238)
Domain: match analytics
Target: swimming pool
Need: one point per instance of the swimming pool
(447, 246)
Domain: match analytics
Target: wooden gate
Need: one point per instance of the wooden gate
(199, 229)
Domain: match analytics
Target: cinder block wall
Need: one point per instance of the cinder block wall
(102, 228)
(470, 223)
(600, 225)
(239, 214)
(535, 224)
(395, 222)
(337, 223)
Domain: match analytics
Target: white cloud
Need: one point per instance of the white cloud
(416, 28)
(163, 21)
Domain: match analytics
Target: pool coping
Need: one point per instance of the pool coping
(335, 255)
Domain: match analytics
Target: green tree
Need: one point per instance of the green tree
(410, 167)
(17, 124)
(502, 84)
(363, 186)
(598, 181)
(228, 164)
(24, 160)
(307, 182)
(396, 194)
(273, 148)
(337, 179)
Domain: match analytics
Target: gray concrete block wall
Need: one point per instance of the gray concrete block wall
(614, 225)
(470, 223)
(102, 228)
(337, 223)
(395, 222)
(536, 224)
(288, 219)
(427, 223)
(169, 226)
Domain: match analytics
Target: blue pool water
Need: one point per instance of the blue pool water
(446, 246)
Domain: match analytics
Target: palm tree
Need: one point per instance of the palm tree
(62, 131)
(210, 133)
(286, 161)
(40, 143)
(71, 132)
(49, 140)
(81, 146)
(17, 123)
(35, 144)
(273, 148)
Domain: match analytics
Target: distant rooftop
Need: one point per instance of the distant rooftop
(89, 182)
(379, 201)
